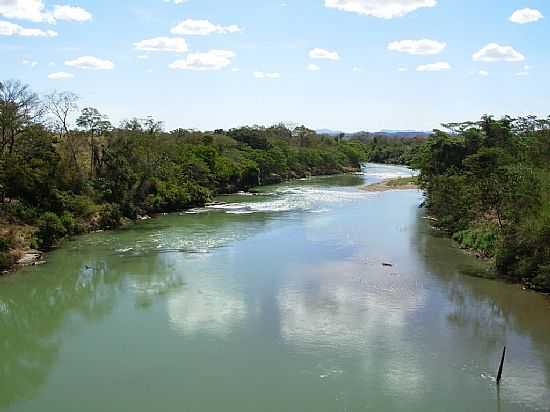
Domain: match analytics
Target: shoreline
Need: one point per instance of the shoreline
(27, 257)
(400, 183)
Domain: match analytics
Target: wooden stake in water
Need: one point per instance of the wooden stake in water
(499, 376)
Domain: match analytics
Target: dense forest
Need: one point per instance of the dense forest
(390, 149)
(488, 184)
(65, 171)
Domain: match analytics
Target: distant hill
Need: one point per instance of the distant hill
(401, 133)
(398, 134)
(329, 132)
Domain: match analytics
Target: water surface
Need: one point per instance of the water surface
(273, 302)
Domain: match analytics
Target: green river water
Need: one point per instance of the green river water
(275, 302)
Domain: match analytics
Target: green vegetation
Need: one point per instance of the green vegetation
(488, 184)
(391, 150)
(63, 180)
(402, 181)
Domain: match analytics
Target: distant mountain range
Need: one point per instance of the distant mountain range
(384, 132)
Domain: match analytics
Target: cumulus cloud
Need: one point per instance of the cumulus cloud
(11, 29)
(313, 68)
(163, 44)
(417, 47)
(384, 9)
(262, 75)
(494, 52)
(71, 13)
(211, 60)
(524, 16)
(35, 10)
(323, 54)
(60, 76)
(433, 67)
(202, 28)
(31, 63)
(90, 63)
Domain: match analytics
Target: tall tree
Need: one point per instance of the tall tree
(19, 108)
(95, 124)
(61, 106)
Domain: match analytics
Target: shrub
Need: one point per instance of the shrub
(110, 216)
(50, 230)
(482, 239)
(4, 245)
(5, 260)
(18, 212)
(69, 223)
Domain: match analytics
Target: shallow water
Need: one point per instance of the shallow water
(272, 302)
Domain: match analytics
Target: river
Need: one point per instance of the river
(274, 302)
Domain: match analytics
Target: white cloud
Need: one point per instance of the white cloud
(402, 69)
(421, 47)
(11, 29)
(323, 54)
(522, 73)
(35, 10)
(176, 1)
(524, 16)
(356, 69)
(313, 68)
(384, 9)
(30, 63)
(495, 53)
(211, 60)
(484, 73)
(163, 44)
(60, 76)
(91, 63)
(262, 75)
(433, 67)
(71, 13)
(202, 28)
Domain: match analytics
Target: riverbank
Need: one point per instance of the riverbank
(400, 183)
(20, 247)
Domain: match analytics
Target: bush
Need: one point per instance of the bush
(4, 245)
(69, 223)
(481, 239)
(18, 212)
(110, 217)
(78, 205)
(6, 260)
(50, 230)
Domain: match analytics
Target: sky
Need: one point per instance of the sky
(340, 64)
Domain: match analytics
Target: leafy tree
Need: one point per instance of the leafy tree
(94, 124)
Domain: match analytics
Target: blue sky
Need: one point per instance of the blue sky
(258, 57)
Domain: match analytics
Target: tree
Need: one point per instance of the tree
(305, 136)
(19, 108)
(61, 106)
(95, 124)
